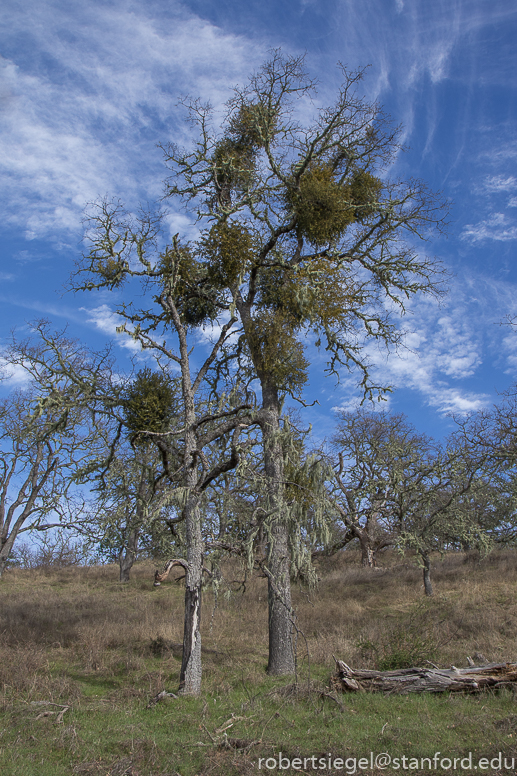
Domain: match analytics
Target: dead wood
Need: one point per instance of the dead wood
(60, 714)
(403, 681)
(160, 697)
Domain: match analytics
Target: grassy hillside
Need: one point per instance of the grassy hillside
(81, 656)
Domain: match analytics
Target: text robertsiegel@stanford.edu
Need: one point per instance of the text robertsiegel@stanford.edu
(383, 760)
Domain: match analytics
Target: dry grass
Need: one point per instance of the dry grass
(76, 636)
(474, 610)
(86, 611)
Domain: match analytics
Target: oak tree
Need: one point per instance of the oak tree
(72, 378)
(41, 450)
(304, 238)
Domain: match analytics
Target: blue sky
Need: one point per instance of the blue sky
(87, 90)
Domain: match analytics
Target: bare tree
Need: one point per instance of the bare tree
(397, 487)
(40, 449)
(131, 496)
(490, 436)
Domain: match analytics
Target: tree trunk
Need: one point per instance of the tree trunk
(281, 657)
(127, 555)
(367, 554)
(428, 588)
(5, 550)
(191, 670)
(3, 561)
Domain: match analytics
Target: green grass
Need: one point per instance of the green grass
(108, 726)
(77, 639)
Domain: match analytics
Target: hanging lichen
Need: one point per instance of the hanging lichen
(251, 124)
(279, 291)
(319, 290)
(233, 164)
(111, 270)
(250, 128)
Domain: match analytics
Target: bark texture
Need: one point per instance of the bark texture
(191, 672)
(281, 657)
(417, 680)
(428, 588)
(127, 555)
(367, 555)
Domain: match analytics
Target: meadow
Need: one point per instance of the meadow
(82, 656)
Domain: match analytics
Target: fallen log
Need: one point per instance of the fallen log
(416, 680)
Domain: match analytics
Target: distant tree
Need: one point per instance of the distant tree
(40, 450)
(432, 515)
(303, 236)
(56, 548)
(131, 497)
(377, 461)
(397, 487)
(490, 436)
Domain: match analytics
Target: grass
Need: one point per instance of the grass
(81, 656)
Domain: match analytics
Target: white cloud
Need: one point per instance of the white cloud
(496, 227)
(354, 403)
(448, 345)
(185, 226)
(496, 183)
(456, 401)
(13, 375)
(107, 321)
(89, 96)
(510, 347)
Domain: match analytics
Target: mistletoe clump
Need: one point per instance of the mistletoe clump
(324, 207)
(276, 350)
(228, 248)
(188, 281)
(149, 403)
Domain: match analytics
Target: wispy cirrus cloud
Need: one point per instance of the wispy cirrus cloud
(498, 183)
(96, 87)
(447, 345)
(106, 321)
(497, 227)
